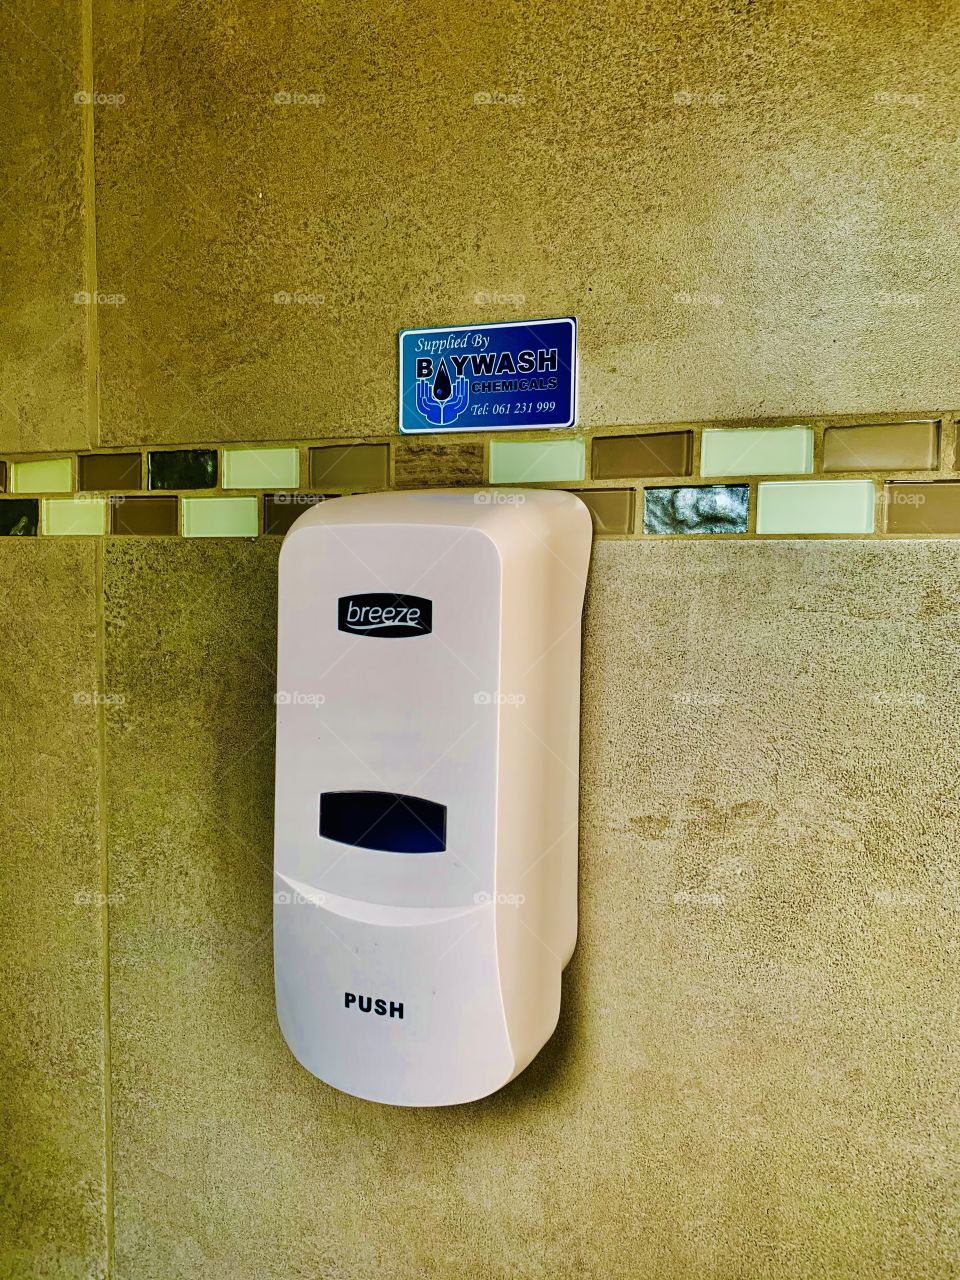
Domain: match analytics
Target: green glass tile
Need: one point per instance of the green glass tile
(182, 469)
(816, 506)
(19, 516)
(74, 515)
(757, 451)
(42, 475)
(220, 517)
(530, 461)
(261, 468)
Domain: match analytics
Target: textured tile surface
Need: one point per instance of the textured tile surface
(530, 461)
(43, 325)
(756, 451)
(52, 1181)
(666, 453)
(922, 508)
(711, 508)
(899, 446)
(189, 838)
(767, 965)
(432, 464)
(816, 506)
(759, 1020)
(759, 190)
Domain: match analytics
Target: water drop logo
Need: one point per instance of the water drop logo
(442, 401)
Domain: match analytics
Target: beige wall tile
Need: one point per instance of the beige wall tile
(756, 1030)
(52, 1149)
(769, 844)
(43, 327)
(426, 463)
(694, 235)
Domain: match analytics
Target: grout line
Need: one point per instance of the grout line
(696, 454)
(90, 233)
(819, 433)
(105, 907)
(93, 442)
(947, 462)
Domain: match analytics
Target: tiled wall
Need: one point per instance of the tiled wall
(215, 219)
(756, 1065)
(829, 477)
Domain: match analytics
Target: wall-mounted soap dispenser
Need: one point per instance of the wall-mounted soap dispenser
(427, 786)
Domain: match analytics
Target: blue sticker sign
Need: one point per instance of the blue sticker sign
(489, 377)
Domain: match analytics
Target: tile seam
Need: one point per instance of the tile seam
(90, 233)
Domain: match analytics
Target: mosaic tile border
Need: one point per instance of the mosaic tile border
(882, 476)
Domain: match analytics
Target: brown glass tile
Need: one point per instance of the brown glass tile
(431, 464)
(350, 466)
(895, 446)
(281, 509)
(143, 516)
(611, 509)
(664, 453)
(3, 477)
(922, 506)
(101, 472)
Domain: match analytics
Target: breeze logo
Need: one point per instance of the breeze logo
(381, 614)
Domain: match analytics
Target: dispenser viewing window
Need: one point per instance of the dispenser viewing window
(425, 886)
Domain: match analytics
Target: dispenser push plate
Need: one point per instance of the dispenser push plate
(489, 377)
